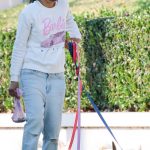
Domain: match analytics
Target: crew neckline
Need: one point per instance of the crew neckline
(41, 5)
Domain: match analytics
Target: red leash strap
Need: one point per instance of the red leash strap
(77, 118)
(74, 52)
(74, 131)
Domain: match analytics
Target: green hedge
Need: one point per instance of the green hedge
(115, 63)
(7, 38)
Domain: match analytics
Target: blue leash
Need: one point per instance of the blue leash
(100, 115)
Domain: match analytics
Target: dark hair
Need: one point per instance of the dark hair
(31, 1)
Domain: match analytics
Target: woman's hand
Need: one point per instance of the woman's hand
(75, 40)
(13, 89)
(72, 40)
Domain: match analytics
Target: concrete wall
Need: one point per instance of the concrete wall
(5, 4)
(131, 129)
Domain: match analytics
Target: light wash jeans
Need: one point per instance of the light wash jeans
(43, 96)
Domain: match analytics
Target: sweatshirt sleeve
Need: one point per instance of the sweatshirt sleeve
(71, 25)
(19, 48)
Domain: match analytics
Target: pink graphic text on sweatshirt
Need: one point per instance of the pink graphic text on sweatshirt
(50, 26)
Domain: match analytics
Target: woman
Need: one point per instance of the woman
(38, 60)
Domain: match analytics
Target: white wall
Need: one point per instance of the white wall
(5, 4)
(132, 130)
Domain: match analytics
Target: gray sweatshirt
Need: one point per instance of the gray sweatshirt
(40, 38)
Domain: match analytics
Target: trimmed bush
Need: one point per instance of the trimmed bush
(7, 38)
(115, 63)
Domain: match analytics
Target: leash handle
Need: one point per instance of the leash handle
(75, 55)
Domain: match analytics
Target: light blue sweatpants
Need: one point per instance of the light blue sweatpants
(43, 96)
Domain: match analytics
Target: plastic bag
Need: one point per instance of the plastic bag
(18, 114)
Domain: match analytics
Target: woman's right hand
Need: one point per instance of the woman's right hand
(13, 89)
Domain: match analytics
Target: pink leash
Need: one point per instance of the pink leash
(79, 100)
